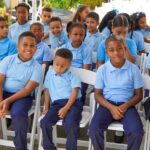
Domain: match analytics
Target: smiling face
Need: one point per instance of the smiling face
(116, 52)
(142, 22)
(56, 27)
(46, 16)
(26, 48)
(61, 64)
(3, 29)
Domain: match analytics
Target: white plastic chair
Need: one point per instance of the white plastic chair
(34, 110)
(147, 47)
(117, 126)
(88, 77)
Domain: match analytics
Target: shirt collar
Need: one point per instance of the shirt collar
(124, 67)
(18, 61)
(4, 40)
(23, 25)
(95, 34)
(53, 72)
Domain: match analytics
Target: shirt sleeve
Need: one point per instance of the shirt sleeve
(132, 48)
(12, 48)
(87, 56)
(140, 43)
(101, 51)
(75, 81)
(47, 54)
(46, 81)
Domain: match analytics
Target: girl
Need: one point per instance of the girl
(119, 28)
(105, 25)
(141, 26)
(81, 13)
(22, 25)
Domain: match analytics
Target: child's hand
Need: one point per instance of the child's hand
(63, 112)
(147, 27)
(44, 111)
(123, 107)
(4, 106)
(3, 114)
(116, 112)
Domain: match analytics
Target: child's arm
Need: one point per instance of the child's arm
(133, 101)
(31, 85)
(45, 36)
(2, 78)
(46, 101)
(87, 66)
(64, 110)
(115, 111)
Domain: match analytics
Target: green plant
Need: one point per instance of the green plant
(2, 4)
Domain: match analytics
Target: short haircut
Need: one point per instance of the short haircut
(2, 19)
(113, 38)
(23, 5)
(64, 53)
(47, 9)
(55, 19)
(93, 15)
(36, 24)
(25, 34)
(72, 25)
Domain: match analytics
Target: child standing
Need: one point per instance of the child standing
(118, 88)
(62, 86)
(16, 86)
(6, 45)
(57, 36)
(45, 18)
(119, 28)
(22, 24)
(42, 54)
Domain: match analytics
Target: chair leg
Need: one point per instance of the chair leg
(4, 128)
(40, 141)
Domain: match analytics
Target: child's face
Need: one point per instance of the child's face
(46, 16)
(120, 31)
(22, 15)
(142, 22)
(116, 52)
(55, 27)
(84, 13)
(76, 36)
(38, 32)
(61, 64)
(91, 25)
(26, 48)
(3, 29)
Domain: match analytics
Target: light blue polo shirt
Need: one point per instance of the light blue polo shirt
(106, 32)
(7, 47)
(60, 86)
(138, 39)
(42, 53)
(94, 40)
(18, 73)
(46, 31)
(16, 29)
(81, 55)
(102, 56)
(118, 84)
(58, 41)
(144, 32)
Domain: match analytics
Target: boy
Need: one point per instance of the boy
(93, 36)
(7, 46)
(118, 88)
(45, 18)
(42, 54)
(62, 86)
(22, 24)
(16, 86)
(57, 36)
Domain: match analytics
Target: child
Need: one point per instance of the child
(62, 86)
(7, 46)
(20, 74)
(81, 13)
(119, 28)
(57, 36)
(93, 36)
(22, 24)
(118, 88)
(42, 54)
(45, 18)
(106, 23)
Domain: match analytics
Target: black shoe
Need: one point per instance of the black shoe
(119, 139)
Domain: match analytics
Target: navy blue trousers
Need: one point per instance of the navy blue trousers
(70, 124)
(131, 123)
(19, 114)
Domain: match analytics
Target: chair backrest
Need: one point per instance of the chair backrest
(146, 80)
(85, 76)
(143, 63)
(94, 57)
(147, 47)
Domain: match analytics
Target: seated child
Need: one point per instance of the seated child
(57, 35)
(22, 24)
(45, 18)
(118, 88)
(42, 54)
(62, 86)
(6, 45)
(20, 74)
